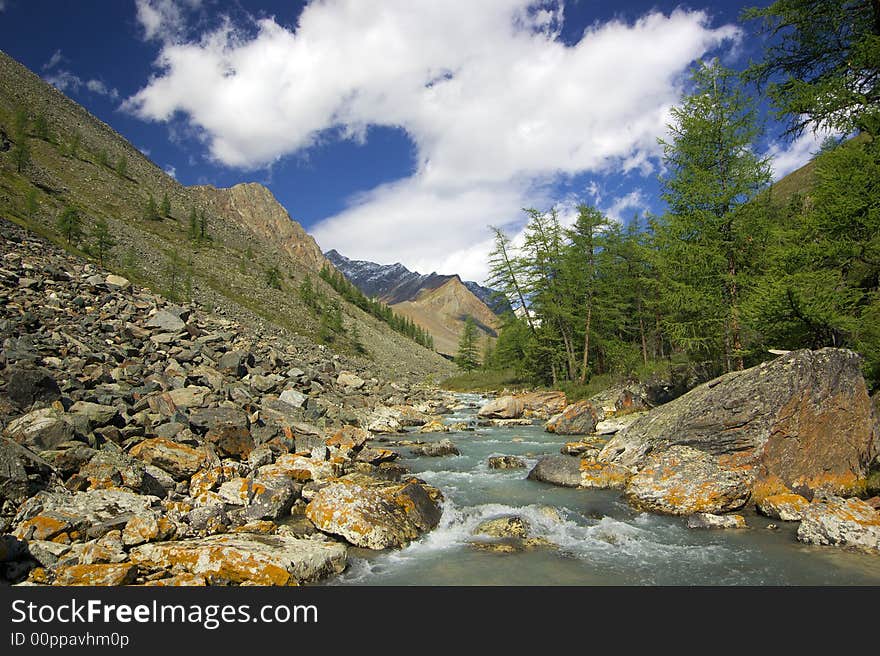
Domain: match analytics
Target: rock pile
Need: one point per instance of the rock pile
(150, 443)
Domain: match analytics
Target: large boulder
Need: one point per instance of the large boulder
(801, 422)
(374, 517)
(249, 558)
(559, 470)
(785, 507)
(542, 405)
(504, 407)
(682, 480)
(841, 522)
(577, 419)
(65, 517)
(444, 447)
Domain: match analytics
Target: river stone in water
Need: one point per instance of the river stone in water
(505, 407)
(578, 418)
(557, 470)
(803, 419)
(708, 520)
(375, 518)
(246, 558)
(841, 522)
(444, 447)
(506, 462)
(682, 480)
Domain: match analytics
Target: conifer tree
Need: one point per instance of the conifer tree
(21, 149)
(165, 207)
(102, 239)
(151, 213)
(707, 238)
(70, 224)
(466, 358)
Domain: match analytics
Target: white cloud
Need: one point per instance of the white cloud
(788, 157)
(54, 60)
(97, 86)
(164, 20)
(171, 170)
(63, 80)
(494, 102)
(634, 201)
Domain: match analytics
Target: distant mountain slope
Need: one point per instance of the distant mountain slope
(80, 161)
(394, 283)
(438, 303)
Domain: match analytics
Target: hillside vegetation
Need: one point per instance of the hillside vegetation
(234, 251)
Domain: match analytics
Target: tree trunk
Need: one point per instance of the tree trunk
(586, 359)
(642, 333)
(734, 317)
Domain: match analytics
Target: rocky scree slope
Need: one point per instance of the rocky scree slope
(248, 232)
(150, 443)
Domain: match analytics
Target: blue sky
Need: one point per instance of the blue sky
(396, 130)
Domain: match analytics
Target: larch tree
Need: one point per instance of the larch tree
(466, 357)
(708, 238)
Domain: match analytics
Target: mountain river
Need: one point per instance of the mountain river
(601, 540)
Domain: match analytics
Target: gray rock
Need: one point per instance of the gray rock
(507, 462)
(559, 470)
(166, 322)
(708, 520)
(505, 407)
(246, 558)
(25, 386)
(235, 363)
(841, 522)
(22, 473)
(776, 417)
(95, 413)
(444, 447)
(41, 429)
(293, 398)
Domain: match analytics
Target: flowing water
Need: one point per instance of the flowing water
(601, 540)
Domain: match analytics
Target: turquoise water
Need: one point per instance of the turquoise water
(601, 540)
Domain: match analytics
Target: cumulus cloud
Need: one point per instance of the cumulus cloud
(788, 157)
(496, 104)
(634, 201)
(164, 20)
(171, 170)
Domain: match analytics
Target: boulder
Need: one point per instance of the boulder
(542, 405)
(41, 429)
(708, 520)
(786, 507)
(384, 420)
(22, 473)
(511, 526)
(841, 522)
(348, 379)
(27, 385)
(235, 363)
(177, 459)
(166, 322)
(146, 528)
(682, 480)
(119, 282)
(436, 449)
(511, 533)
(376, 517)
(559, 470)
(434, 426)
(191, 396)
(603, 475)
(268, 497)
(238, 558)
(803, 419)
(104, 574)
(507, 462)
(95, 413)
(64, 517)
(505, 407)
(577, 419)
(108, 469)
